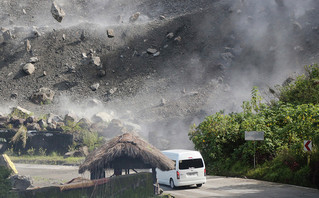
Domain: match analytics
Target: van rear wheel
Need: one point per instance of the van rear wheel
(171, 183)
(199, 185)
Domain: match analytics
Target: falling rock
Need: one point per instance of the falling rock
(162, 17)
(110, 33)
(28, 68)
(43, 95)
(20, 182)
(95, 86)
(96, 61)
(163, 102)
(57, 12)
(170, 35)
(63, 36)
(93, 103)
(33, 60)
(134, 17)
(101, 117)
(101, 73)
(156, 54)
(151, 50)
(27, 45)
(178, 39)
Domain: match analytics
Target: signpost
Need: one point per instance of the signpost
(307, 146)
(254, 136)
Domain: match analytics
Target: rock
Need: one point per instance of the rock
(96, 61)
(95, 86)
(93, 103)
(101, 117)
(170, 35)
(151, 50)
(51, 127)
(85, 150)
(59, 126)
(20, 182)
(33, 60)
(101, 73)
(132, 127)
(82, 37)
(5, 161)
(57, 12)
(42, 123)
(24, 12)
(134, 17)
(27, 46)
(227, 56)
(28, 68)
(7, 35)
(63, 36)
(43, 96)
(84, 123)
(44, 73)
(73, 154)
(34, 126)
(115, 128)
(69, 118)
(35, 33)
(20, 112)
(110, 33)
(178, 39)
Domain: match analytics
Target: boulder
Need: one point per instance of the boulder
(178, 39)
(101, 73)
(43, 96)
(30, 119)
(33, 126)
(7, 35)
(134, 17)
(20, 182)
(59, 126)
(96, 61)
(76, 153)
(20, 112)
(101, 117)
(54, 118)
(95, 86)
(51, 127)
(170, 35)
(57, 12)
(28, 68)
(115, 128)
(110, 33)
(70, 118)
(42, 123)
(84, 123)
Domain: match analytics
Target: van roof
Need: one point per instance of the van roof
(182, 152)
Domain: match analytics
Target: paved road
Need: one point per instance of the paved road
(44, 175)
(237, 187)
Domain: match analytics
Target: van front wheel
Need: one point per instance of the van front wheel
(171, 183)
(199, 185)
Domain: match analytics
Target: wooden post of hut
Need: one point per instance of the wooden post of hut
(154, 181)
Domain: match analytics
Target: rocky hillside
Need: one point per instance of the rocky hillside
(162, 65)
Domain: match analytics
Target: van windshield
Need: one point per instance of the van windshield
(191, 163)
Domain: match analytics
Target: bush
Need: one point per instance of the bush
(5, 184)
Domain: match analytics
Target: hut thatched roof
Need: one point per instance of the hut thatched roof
(126, 151)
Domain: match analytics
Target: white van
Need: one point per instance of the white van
(189, 169)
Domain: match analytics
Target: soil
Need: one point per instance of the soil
(220, 49)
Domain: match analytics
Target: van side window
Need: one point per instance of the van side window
(191, 163)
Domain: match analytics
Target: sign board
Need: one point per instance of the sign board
(307, 145)
(254, 135)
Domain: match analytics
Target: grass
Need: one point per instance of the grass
(52, 160)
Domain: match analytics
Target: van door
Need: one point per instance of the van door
(191, 168)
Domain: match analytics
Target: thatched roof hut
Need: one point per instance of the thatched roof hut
(126, 151)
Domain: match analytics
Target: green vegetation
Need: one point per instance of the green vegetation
(50, 159)
(286, 123)
(5, 184)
